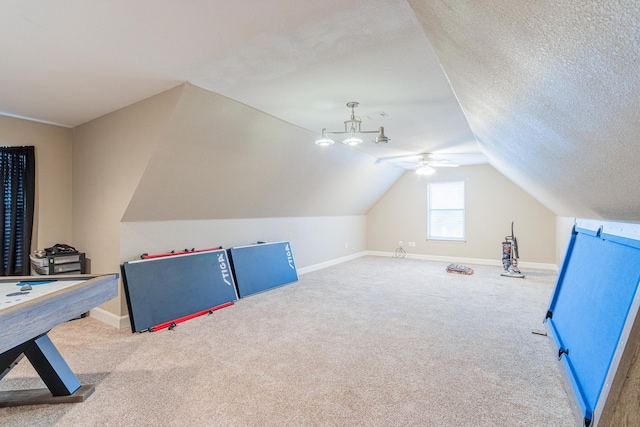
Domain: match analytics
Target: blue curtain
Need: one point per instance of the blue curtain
(18, 168)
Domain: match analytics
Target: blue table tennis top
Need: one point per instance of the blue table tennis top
(593, 303)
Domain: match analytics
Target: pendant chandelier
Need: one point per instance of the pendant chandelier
(353, 130)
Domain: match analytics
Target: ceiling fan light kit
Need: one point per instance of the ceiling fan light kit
(425, 170)
(352, 128)
(428, 164)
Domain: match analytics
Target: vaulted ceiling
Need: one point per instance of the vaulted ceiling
(551, 91)
(547, 92)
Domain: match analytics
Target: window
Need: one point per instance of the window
(17, 168)
(445, 218)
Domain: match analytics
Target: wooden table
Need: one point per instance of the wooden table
(27, 316)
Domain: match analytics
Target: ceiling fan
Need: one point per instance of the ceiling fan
(436, 160)
(427, 163)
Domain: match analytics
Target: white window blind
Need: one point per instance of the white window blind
(445, 218)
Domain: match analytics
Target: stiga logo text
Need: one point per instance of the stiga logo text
(224, 269)
(289, 257)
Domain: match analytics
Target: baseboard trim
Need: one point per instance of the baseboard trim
(120, 322)
(479, 261)
(329, 263)
(539, 265)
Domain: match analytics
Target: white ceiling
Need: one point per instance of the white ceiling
(69, 61)
(547, 91)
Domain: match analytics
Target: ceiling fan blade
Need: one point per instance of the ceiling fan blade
(403, 156)
(437, 160)
(443, 165)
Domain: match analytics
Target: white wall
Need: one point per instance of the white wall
(314, 240)
(564, 225)
(52, 216)
(492, 202)
(110, 155)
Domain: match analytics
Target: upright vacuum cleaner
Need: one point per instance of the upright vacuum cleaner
(510, 256)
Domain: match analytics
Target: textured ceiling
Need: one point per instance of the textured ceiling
(548, 91)
(70, 61)
(551, 91)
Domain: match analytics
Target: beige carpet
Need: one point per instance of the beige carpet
(372, 342)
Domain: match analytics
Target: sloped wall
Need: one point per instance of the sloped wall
(220, 159)
(550, 91)
(191, 168)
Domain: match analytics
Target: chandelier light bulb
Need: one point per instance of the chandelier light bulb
(324, 140)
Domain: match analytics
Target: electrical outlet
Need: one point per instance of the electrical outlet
(400, 243)
(412, 244)
(346, 245)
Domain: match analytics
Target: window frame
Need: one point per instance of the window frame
(430, 215)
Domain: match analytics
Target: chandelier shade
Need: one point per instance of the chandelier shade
(325, 140)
